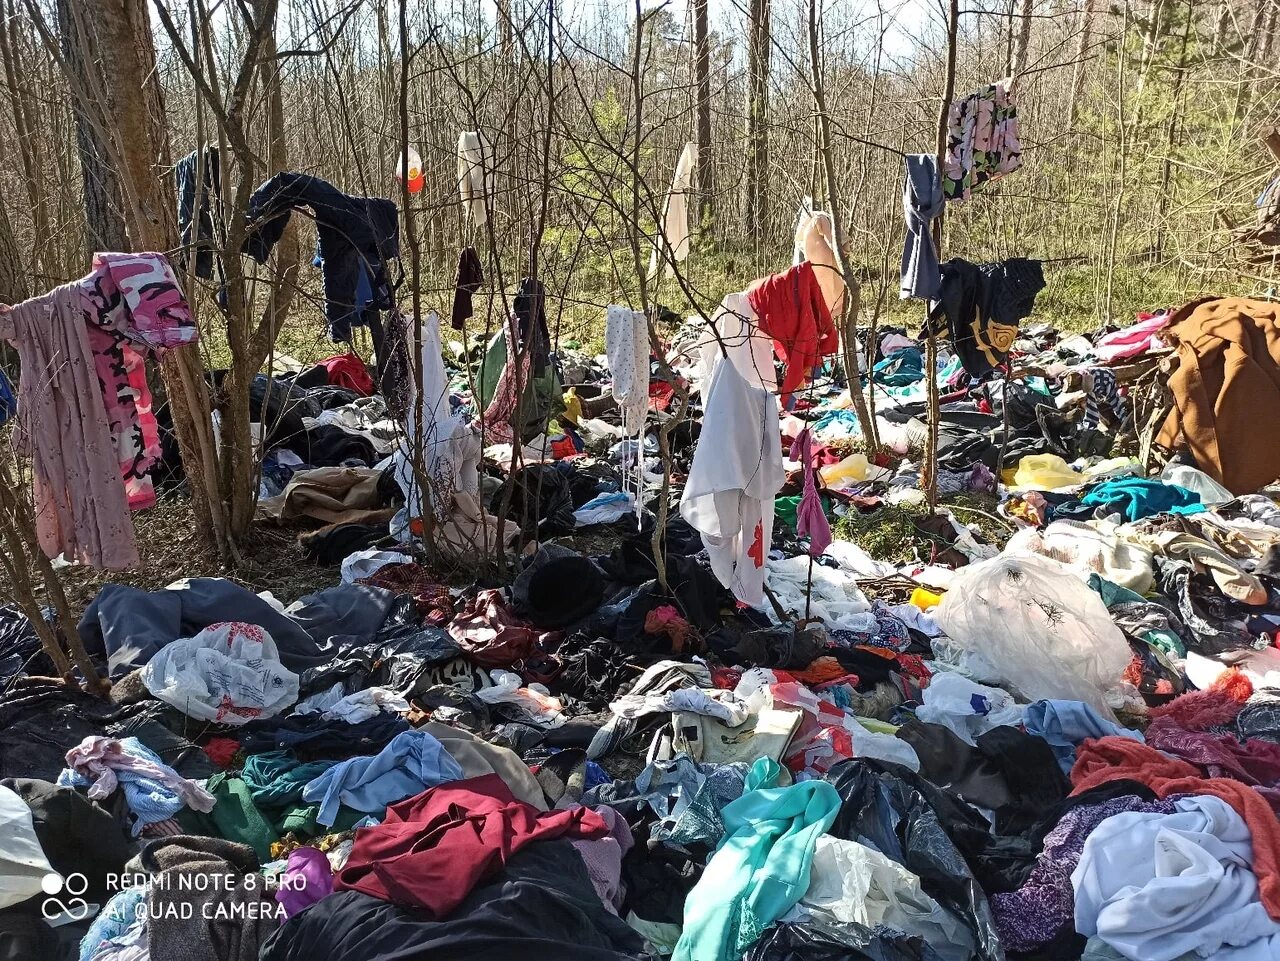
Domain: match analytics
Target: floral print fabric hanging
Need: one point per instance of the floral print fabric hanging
(982, 141)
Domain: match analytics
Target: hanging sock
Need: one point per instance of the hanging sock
(626, 343)
(811, 519)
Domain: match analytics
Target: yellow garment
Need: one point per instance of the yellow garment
(852, 468)
(924, 599)
(1042, 472)
(572, 406)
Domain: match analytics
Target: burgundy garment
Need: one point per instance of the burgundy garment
(490, 634)
(470, 278)
(1254, 761)
(432, 599)
(433, 848)
(811, 519)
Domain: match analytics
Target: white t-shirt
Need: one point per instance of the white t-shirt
(737, 470)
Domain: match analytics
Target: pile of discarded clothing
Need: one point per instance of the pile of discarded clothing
(769, 746)
(758, 741)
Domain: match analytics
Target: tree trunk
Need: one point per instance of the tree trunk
(1082, 51)
(929, 470)
(133, 102)
(702, 80)
(852, 303)
(759, 48)
(103, 198)
(13, 278)
(1025, 10)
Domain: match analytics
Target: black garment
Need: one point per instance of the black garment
(470, 277)
(395, 366)
(981, 305)
(395, 660)
(199, 208)
(129, 625)
(279, 407)
(1216, 622)
(328, 445)
(592, 670)
(542, 905)
(357, 237)
(24, 935)
(20, 650)
(558, 587)
(76, 834)
(334, 544)
(786, 647)
(540, 500)
(313, 737)
(880, 807)
(838, 942)
(957, 767)
(40, 721)
(531, 316)
(1027, 766)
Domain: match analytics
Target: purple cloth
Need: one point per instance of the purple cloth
(811, 519)
(1034, 914)
(603, 857)
(307, 878)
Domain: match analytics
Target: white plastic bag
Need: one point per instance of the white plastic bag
(967, 709)
(1039, 625)
(535, 700)
(23, 864)
(229, 673)
(854, 884)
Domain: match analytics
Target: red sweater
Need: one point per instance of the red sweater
(792, 311)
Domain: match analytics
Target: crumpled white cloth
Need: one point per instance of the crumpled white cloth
(333, 705)
(835, 597)
(1157, 886)
(366, 563)
(724, 705)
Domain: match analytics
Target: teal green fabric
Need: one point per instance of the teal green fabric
(1137, 497)
(784, 508)
(276, 779)
(761, 868)
(237, 818)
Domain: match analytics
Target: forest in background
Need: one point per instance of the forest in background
(1140, 126)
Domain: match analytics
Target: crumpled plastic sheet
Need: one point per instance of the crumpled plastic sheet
(882, 810)
(843, 942)
(1040, 625)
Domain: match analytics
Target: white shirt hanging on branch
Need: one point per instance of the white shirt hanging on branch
(673, 240)
(736, 471)
(475, 176)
